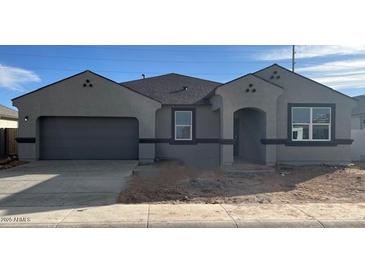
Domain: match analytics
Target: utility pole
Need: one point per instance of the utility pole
(293, 59)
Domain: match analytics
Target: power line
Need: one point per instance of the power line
(131, 60)
(153, 48)
(129, 72)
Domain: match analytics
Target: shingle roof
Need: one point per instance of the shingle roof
(6, 112)
(174, 88)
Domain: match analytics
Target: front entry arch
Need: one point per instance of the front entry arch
(249, 128)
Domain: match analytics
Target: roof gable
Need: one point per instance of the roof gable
(257, 73)
(86, 72)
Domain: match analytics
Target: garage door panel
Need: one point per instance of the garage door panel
(88, 138)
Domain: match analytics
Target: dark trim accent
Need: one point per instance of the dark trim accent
(227, 141)
(154, 140)
(319, 143)
(193, 128)
(333, 120)
(28, 140)
(306, 143)
(197, 141)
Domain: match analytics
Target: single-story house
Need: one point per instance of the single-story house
(8, 117)
(358, 129)
(270, 116)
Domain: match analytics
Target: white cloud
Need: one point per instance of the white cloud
(13, 78)
(338, 74)
(336, 66)
(343, 82)
(303, 52)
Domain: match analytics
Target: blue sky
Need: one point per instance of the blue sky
(25, 68)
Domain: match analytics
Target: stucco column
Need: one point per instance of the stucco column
(146, 151)
(227, 134)
(28, 151)
(271, 128)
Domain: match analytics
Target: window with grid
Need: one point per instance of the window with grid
(183, 125)
(311, 123)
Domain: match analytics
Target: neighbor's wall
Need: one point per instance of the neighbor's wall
(355, 122)
(5, 123)
(358, 146)
(300, 90)
(69, 98)
(205, 155)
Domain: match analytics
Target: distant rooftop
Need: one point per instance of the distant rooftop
(360, 108)
(6, 112)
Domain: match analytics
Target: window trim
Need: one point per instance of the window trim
(182, 125)
(173, 126)
(331, 125)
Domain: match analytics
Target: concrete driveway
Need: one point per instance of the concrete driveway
(64, 183)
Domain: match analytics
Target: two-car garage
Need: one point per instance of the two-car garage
(86, 117)
(88, 138)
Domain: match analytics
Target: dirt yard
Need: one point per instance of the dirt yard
(10, 162)
(173, 183)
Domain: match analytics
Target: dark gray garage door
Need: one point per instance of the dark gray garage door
(88, 138)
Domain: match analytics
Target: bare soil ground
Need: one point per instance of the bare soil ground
(10, 162)
(176, 183)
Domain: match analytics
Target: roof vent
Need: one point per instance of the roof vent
(184, 88)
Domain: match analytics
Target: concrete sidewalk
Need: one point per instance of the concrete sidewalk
(188, 215)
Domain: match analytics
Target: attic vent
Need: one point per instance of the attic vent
(250, 88)
(275, 75)
(87, 83)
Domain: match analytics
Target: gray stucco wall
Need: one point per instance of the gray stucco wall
(201, 154)
(246, 92)
(274, 99)
(301, 90)
(70, 98)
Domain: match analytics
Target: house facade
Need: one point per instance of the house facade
(8, 117)
(270, 116)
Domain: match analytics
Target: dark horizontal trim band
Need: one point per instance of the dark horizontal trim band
(196, 141)
(273, 141)
(25, 140)
(306, 143)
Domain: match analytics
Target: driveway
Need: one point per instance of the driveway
(64, 183)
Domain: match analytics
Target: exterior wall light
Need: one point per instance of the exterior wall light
(26, 118)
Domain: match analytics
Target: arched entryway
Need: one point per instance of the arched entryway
(249, 128)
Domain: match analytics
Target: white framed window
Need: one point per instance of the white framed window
(183, 125)
(311, 124)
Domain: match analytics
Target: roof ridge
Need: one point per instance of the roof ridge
(172, 73)
(188, 76)
(146, 78)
